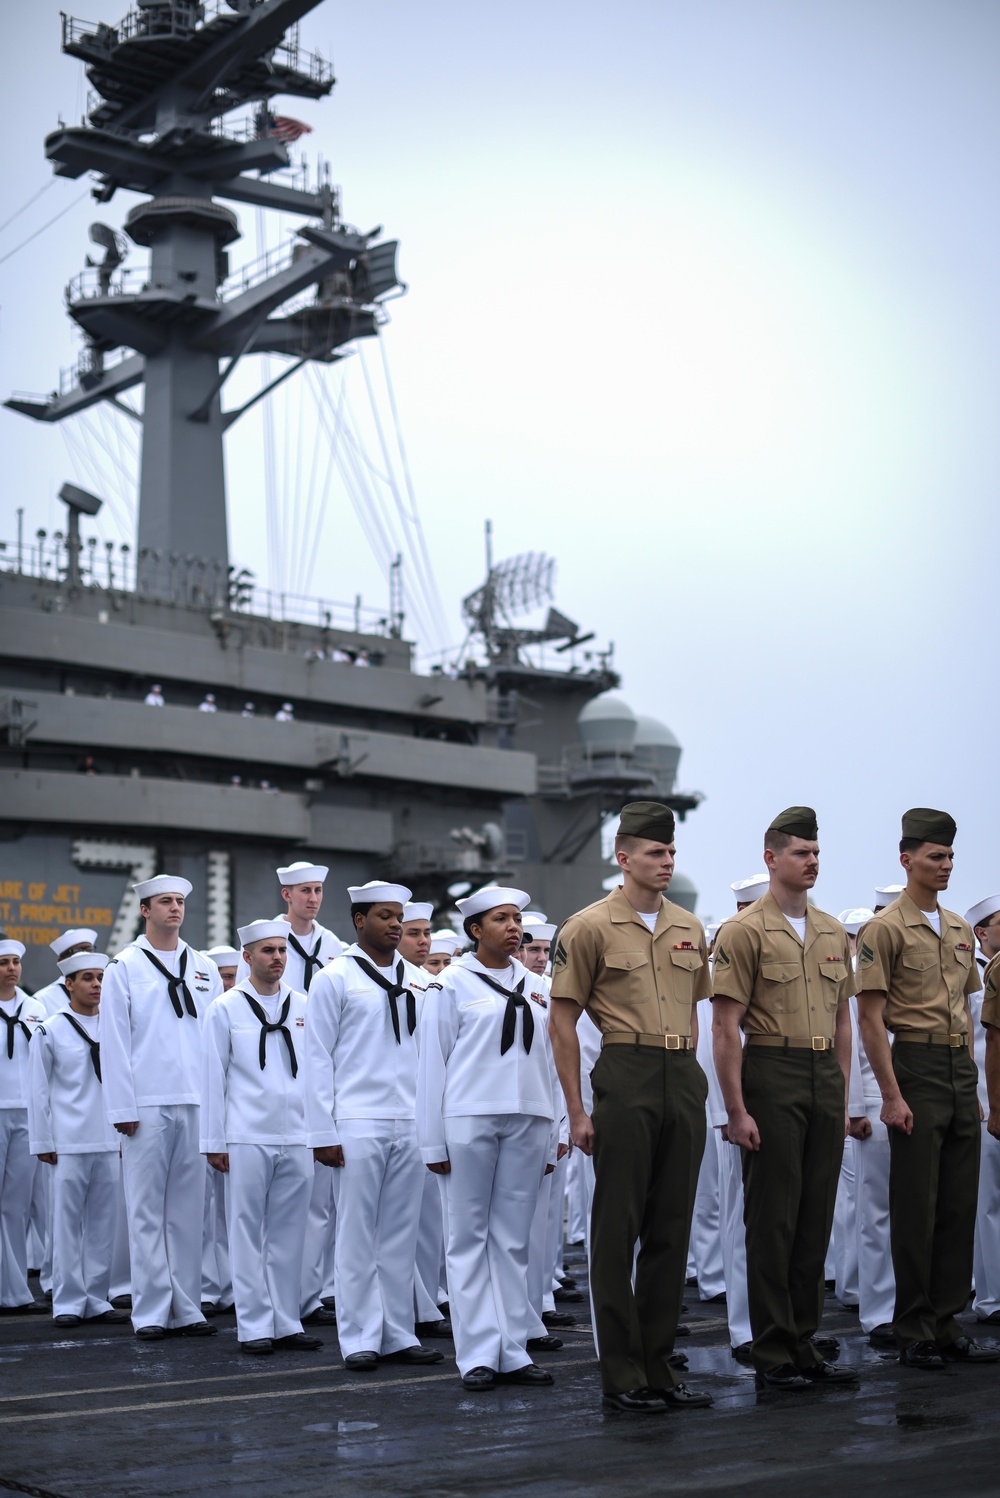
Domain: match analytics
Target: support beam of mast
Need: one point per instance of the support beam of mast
(120, 377)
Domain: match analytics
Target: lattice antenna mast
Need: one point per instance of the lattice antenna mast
(164, 79)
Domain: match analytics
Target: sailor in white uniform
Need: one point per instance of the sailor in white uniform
(155, 994)
(361, 1052)
(415, 942)
(76, 1145)
(253, 1130)
(486, 1123)
(984, 918)
(444, 945)
(20, 1014)
(55, 996)
(216, 1272)
(227, 959)
(310, 947)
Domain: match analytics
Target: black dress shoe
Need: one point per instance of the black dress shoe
(259, 1347)
(419, 1355)
(208, 1308)
(67, 1319)
(682, 1330)
(440, 1328)
(678, 1360)
(361, 1362)
(567, 1282)
(320, 1317)
(543, 1344)
(680, 1397)
(828, 1346)
(199, 1329)
(529, 1374)
(743, 1354)
(921, 1355)
(150, 1333)
(965, 1350)
(31, 1308)
(882, 1335)
(112, 1316)
(993, 1319)
(297, 1342)
(479, 1378)
(564, 1297)
(831, 1373)
(637, 1402)
(224, 1310)
(558, 1318)
(122, 1302)
(786, 1376)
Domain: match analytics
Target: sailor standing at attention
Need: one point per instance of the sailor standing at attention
(984, 918)
(361, 1055)
(782, 973)
(638, 964)
(20, 1014)
(55, 996)
(216, 1272)
(77, 1145)
(916, 970)
(486, 1125)
(154, 996)
(415, 942)
(253, 1130)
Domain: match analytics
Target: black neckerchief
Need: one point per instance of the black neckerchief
(311, 959)
(95, 1045)
(395, 991)
(13, 1020)
(176, 987)
(515, 1001)
(266, 1029)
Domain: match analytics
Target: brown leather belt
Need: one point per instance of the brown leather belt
(793, 1042)
(659, 1042)
(917, 1037)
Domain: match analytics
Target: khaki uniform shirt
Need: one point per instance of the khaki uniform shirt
(627, 977)
(991, 993)
(924, 977)
(787, 988)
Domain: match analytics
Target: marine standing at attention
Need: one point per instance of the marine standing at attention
(916, 967)
(783, 973)
(638, 964)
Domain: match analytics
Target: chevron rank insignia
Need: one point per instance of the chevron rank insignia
(560, 958)
(722, 958)
(866, 956)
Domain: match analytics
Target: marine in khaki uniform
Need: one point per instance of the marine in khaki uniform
(916, 965)
(638, 965)
(783, 973)
(991, 1021)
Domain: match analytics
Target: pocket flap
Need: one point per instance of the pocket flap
(686, 959)
(623, 961)
(836, 970)
(920, 961)
(779, 972)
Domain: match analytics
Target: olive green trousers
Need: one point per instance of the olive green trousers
(649, 1137)
(797, 1100)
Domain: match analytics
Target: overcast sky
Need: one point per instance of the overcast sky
(703, 303)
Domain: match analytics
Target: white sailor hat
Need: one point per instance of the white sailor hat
(747, 890)
(303, 873)
(83, 961)
(73, 939)
(11, 948)
(261, 930)
(375, 892)
(852, 920)
(163, 884)
(225, 956)
(444, 941)
(979, 914)
(538, 930)
(534, 918)
(888, 893)
(489, 897)
(418, 910)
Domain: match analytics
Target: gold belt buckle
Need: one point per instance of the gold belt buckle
(818, 1042)
(956, 1041)
(672, 1042)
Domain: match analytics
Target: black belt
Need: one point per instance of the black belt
(95, 1045)
(515, 1001)
(267, 1028)
(311, 959)
(176, 987)
(395, 992)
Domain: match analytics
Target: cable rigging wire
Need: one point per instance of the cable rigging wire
(61, 214)
(33, 199)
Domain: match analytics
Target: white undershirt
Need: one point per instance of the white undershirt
(934, 916)
(650, 918)
(798, 925)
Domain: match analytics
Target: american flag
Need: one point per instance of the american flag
(285, 129)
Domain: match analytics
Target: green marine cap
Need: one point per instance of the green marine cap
(647, 819)
(797, 821)
(929, 826)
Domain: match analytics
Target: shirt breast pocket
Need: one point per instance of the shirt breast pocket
(922, 974)
(834, 973)
(780, 986)
(684, 964)
(629, 973)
